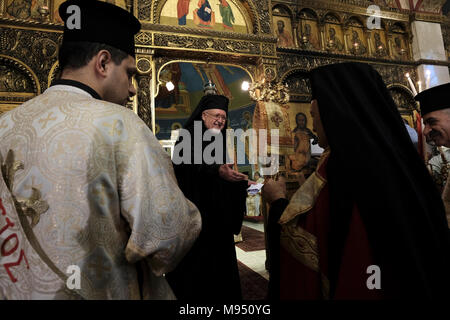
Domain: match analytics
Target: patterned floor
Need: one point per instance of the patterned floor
(254, 260)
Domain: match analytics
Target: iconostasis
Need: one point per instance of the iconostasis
(340, 34)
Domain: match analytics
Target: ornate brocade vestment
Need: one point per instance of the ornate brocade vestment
(305, 250)
(114, 203)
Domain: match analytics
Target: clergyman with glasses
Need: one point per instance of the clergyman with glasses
(209, 271)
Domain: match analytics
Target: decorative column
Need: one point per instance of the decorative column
(428, 44)
(322, 34)
(389, 40)
(346, 40)
(296, 31)
(2, 8)
(143, 103)
(44, 11)
(371, 50)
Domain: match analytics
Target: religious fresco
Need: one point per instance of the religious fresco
(300, 121)
(39, 9)
(356, 41)
(24, 9)
(398, 42)
(174, 107)
(294, 109)
(308, 31)
(57, 3)
(283, 31)
(294, 122)
(334, 38)
(220, 15)
(379, 44)
(308, 35)
(399, 50)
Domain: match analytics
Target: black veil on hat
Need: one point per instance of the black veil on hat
(374, 165)
(101, 22)
(433, 99)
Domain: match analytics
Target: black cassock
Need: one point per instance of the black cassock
(209, 271)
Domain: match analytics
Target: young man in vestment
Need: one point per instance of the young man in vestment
(368, 224)
(209, 272)
(89, 198)
(435, 110)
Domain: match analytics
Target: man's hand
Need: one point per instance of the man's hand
(274, 190)
(250, 182)
(226, 172)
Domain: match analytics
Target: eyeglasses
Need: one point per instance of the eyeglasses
(217, 117)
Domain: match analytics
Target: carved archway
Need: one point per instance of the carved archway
(403, 97)
(297, 82)
(18, 83)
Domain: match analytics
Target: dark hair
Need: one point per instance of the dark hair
(75, 55)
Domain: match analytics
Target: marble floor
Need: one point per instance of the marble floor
(255, 260)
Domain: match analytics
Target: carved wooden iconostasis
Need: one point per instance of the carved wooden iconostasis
(328, 32)
(191, 42)
(270, 43)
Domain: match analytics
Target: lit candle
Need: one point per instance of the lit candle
(411, 84)
(427, 84)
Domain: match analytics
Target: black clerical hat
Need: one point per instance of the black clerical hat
(96, 21)
(213, 101)
(433, 99)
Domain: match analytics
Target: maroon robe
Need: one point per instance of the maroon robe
(304, 267)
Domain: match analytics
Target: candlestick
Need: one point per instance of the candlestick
(411, 84)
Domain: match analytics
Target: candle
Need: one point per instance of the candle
(411, 84)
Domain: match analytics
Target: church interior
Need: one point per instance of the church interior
(258, 54)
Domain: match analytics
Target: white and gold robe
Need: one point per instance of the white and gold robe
(114, 205)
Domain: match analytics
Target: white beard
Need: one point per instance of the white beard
(215, 131)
